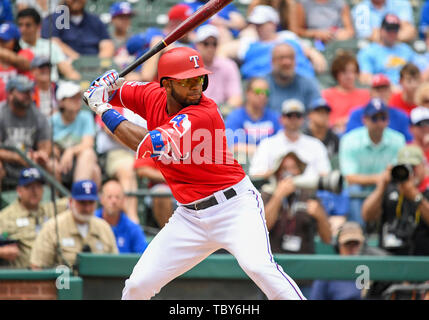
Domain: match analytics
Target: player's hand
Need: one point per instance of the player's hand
(97, 97)
(110, 79)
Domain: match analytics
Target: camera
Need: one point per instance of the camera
(332, 182)
(401, 173)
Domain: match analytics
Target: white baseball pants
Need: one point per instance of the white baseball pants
(237, 225)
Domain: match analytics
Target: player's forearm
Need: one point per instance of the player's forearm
(130, 134)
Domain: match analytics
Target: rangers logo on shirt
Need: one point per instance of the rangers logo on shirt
(181, 124)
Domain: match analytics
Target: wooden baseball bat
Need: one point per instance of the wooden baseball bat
(197, 18)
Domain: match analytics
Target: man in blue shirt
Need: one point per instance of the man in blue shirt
(81, 34)
(130, 237)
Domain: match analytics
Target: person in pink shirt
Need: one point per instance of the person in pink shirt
(225, 78)
(345, 96)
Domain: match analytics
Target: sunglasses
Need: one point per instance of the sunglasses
(423, 123)
(259, 91)
(190, 82)
(209, 43)
(379, 117)
(293, 114)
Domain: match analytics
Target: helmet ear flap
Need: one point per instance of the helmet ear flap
(206, 82)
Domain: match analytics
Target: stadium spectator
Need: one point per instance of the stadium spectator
(74, 230)
(13, 59)
(44, 89)
(255, 53)
(162, 207)
(409, 79)
(324, 20)
(130, 237)
(23, 218)
(121, 16)
(29, 22)
(294, 217)
(388, 55)
(6, 13)
(85, 34)
(285, 8)
(344, 96)
(248, 125)
(24, 127)
(402, 206)
(419, 119)
(307, 148)
(73, 135)
(225, 79)
(366, 151)
(349, 242)
(368, 16)
(398, 120)
(424, 20)
(42, 6)
(285, 83)
(118, 160)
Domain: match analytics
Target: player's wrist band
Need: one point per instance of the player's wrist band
(112, 119)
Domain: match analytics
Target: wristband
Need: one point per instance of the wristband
(112, 119)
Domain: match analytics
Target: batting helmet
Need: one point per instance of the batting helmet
(182, 63)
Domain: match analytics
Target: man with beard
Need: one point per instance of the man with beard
(78, 230)
(285, 83)
(24, 127)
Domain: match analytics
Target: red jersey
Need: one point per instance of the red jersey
(205, 165)
(397, 102)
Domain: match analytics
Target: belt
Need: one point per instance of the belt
(211, 201)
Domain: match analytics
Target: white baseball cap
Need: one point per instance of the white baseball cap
(419, 114)
(67, 89)
(206, 31)
(263, 14)
(292, 105)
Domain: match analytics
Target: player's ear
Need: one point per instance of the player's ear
(166, 84)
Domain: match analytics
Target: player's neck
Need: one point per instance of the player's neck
(173, 106)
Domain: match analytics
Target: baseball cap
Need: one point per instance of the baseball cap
(180, 12)
(9, 31)
(391, 22)
(30, 175)
(67, 89)
(84, 190)
(410, 154)
(20, 83)
(262, 14)
(380, 80)
(40, 61)
(375, 106)
(292, 105)
(121, 8)
(320, 103)
(205, 32)
(350, 231)
(419, 114)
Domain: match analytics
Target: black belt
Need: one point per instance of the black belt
(210, 201)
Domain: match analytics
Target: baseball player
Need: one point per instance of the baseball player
(218, 206)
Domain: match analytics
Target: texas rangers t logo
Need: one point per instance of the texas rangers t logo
(195, 58)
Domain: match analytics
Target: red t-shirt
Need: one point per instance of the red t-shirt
(397, 102)
(342, 102)
(205, 165)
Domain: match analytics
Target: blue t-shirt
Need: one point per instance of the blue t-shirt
(6, 14)
(335, 290)
(398, 121)
(130, 237)
(253, 131)
(71, 134)
(84, 37)
(424, 20)
(301, 88)
(389, 61)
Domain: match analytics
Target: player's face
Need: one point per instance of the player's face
(187, 91)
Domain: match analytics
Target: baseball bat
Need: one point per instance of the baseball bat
(198, 17)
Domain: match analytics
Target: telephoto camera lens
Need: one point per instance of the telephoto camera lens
(401, 173)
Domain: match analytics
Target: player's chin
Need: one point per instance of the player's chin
(193, 101)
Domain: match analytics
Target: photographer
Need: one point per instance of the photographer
(400, 203)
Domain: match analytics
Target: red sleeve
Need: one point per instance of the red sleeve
(27, 54)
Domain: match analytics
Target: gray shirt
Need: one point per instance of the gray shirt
(323, 15)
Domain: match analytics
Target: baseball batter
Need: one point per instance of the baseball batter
(218, 205)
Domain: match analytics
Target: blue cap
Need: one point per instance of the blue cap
(84, 190)
(140, 43)
(319, 103)
(30, 175)
(9, 31)
(121, 8)
(20, 83)
(375, 106)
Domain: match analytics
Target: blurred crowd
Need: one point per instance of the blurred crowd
(307, 88)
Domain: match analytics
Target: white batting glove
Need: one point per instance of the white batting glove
(110, 79)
